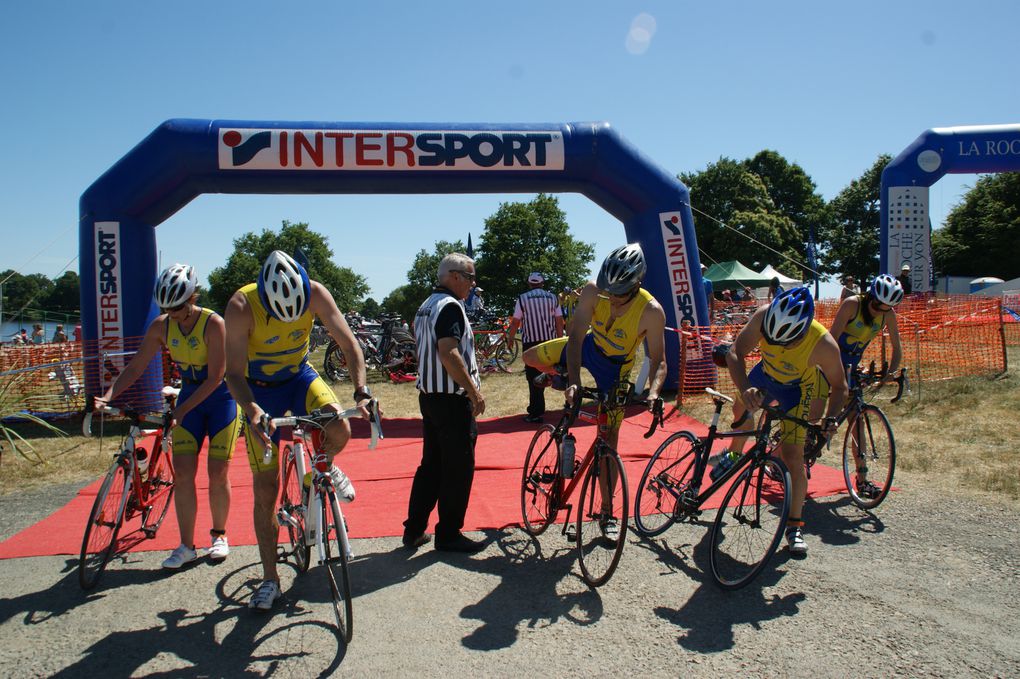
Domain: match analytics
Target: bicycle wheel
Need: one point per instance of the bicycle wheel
(334, 365)
(604, 502)
(292, 501)
(869, 433)
(336, 568)
(104, 524)
(750, 523)
(539, 482)
(668, 474)
(515, 349)
(157, 489)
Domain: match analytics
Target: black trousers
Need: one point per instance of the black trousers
(447, 466)
(536, 395)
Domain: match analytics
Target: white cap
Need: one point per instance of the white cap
(536, 277)
(905, 267)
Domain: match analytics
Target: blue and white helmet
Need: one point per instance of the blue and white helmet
(622, 270)
(175, 286)
(789, 316)
(284, 287)
(886, 290)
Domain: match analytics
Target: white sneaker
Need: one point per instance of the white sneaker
(263, 598)
(343, 486)
(219, 549)
(795, 541)
(180, 556)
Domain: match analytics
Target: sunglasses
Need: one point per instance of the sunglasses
(179, 307)
(466, 274)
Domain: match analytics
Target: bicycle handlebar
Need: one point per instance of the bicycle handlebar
(320, 418)
(598, 396)
(136, 416)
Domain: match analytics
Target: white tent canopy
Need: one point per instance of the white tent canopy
(771, 272)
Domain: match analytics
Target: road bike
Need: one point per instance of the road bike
(549, 481)
(390, 349)
(869, 448)
(754, 510)
(138, 483)
(493, 347)
(309, 509)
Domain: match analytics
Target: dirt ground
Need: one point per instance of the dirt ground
(926, 586)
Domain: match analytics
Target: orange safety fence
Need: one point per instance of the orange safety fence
(942, 336)
(48, 380)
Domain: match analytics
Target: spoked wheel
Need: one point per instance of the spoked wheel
(869, 446)
(539, 487)
(668, 473)
(336, 568)
(335, 365)
(602, 513)
(750, 523)
(159, 489)
(104, 524)
(292, 502)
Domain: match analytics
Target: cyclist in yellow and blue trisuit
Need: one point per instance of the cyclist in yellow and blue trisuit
(858, 321)
(861, 318)
(799, 358)
(612, 317)
(568, 302)
(268, 323)
(194, 337)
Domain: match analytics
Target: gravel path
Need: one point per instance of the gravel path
(925, 587)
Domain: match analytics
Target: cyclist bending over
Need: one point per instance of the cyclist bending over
(613, 315)
(859, 320)
(268, 324)
(799, 358)
(194, 337)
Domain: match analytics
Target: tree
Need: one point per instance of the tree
(794, 196)
(65, 293)
(402, 303)
(853, 240)
(752, 228)
(981, 230)
(370, 308)
(524, 237)
(250, 250)
(421, 279)
(21, 291)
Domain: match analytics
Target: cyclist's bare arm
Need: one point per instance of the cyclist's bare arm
(847, 310)
(215, 334)
(238, 320)
(579, 324)
(653, 326)
(827, 357)
(151, 344)
(892, 325)
(324, 306)
(747, 339)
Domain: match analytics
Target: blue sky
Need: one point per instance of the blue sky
(829, 87)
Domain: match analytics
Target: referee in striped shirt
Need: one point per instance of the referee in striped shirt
(450, 397)
(538, 315)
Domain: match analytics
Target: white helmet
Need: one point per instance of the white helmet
(789, 316)
(886, 290)
(622, 270)
(175, 286)
(284, 287)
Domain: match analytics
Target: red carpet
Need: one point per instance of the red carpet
(382, 479)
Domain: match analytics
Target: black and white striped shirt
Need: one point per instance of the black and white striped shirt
(537, 310)
(442, 315)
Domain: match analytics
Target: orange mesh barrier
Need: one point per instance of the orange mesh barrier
(1011, 317)
(943, 336)
(49, 379)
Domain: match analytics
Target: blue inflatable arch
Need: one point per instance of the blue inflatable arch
(184, 158)
(906, 226)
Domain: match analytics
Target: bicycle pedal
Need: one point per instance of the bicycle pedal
(150, 533)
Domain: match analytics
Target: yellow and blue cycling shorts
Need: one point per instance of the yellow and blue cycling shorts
(794, 398)
(216, 417)
(299, 395)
